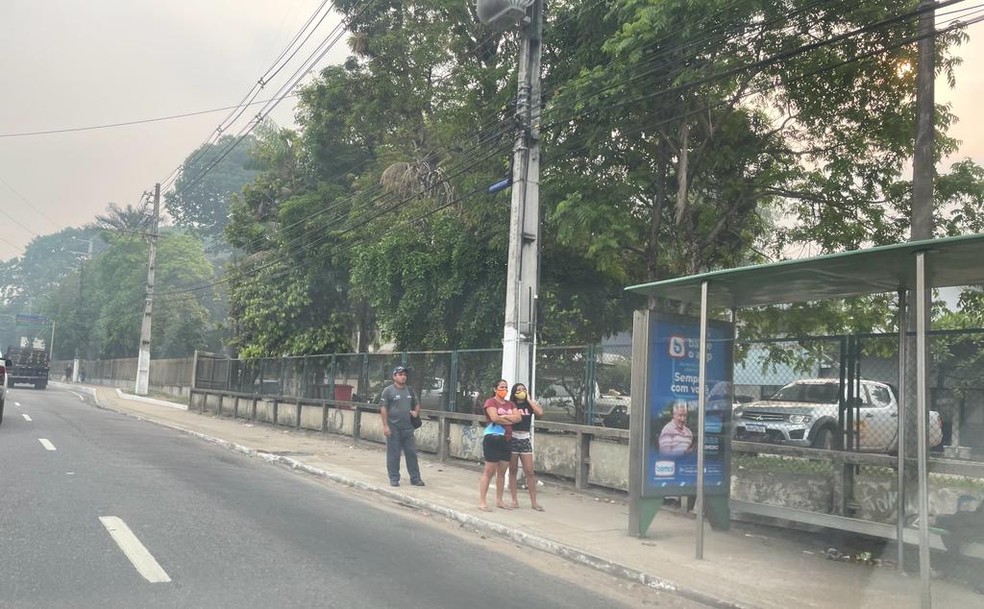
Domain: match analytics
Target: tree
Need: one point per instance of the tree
(118, 279)
(208, 180)
(678, 137)
(49, 265)
(130, 219)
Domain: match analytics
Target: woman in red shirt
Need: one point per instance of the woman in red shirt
(500, 414)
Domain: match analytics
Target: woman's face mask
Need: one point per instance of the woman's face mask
(501, 392)
(520, 395)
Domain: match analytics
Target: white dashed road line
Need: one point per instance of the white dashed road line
(144, 562)
(47, 444)
(26, 417)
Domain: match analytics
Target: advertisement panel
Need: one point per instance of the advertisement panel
(672, 429)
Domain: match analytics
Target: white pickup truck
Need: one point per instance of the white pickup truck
(804, 413)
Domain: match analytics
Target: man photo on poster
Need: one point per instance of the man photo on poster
(676, 439)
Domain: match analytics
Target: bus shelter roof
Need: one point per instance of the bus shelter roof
(950, 261)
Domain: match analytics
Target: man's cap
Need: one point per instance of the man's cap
(400, 369)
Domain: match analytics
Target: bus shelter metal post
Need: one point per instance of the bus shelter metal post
(922, 392)
(900, 435)
(701, 404)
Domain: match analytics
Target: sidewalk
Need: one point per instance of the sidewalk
(741, 568)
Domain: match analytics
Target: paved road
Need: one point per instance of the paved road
(98, 509)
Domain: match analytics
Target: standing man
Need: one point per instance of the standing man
(395, 405)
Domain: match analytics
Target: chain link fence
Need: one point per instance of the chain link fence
(586, 385)
(840, 394)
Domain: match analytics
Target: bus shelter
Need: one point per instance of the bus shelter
(662, 345)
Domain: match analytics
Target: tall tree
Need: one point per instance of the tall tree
(115, 284)
(128, 219)
(208, 180)
(677, 137)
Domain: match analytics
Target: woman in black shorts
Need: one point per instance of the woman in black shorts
(500, 414)
(521, 444)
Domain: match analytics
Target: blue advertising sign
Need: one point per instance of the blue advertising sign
(674, 380)
(27, 319)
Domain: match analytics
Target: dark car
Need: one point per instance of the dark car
(618, 417)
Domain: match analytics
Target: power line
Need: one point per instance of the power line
(254, 91)
(125, 123)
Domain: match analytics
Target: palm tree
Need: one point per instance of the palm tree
(129, 219)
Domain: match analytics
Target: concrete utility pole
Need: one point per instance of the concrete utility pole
(523, 271)
(85, 333)
(912, 444)
(143, 359)
(923, 165)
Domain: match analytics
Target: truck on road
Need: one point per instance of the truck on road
(28, 366)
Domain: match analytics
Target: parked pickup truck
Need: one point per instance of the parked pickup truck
(805, 413)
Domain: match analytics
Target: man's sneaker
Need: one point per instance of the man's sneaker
(394, 483)
(418, 483)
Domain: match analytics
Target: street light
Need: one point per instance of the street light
(523, 267)
(502, 14)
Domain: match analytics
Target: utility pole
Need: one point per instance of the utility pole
(143, 359)
(523, 270)
(923, 165)
(912, 450)
(84, 334)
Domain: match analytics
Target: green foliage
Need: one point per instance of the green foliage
(205, 186)
(99, 310)
(128, 219)
(50, 264)
(678, 137)
(435, 297)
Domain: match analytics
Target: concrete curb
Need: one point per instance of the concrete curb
(146, 400)
(90, 391)
(564, 551)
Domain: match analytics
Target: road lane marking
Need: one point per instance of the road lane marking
(17, 404)
(142, 559)
(26, 417)
(47, 444)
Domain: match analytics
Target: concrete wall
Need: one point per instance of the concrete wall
(813, 493)
(609, 464)
(876, 497)
(465, 441)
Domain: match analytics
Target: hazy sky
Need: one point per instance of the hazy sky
(75, 63)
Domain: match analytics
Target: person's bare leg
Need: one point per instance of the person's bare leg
(513, 487)
(530, 480)
(500, 484)
(483, 486)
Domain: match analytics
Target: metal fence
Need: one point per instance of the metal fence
(817, 420)
(575, 384)
(174, 372)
